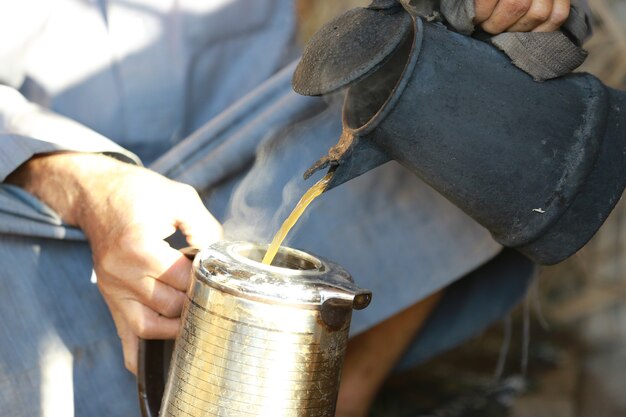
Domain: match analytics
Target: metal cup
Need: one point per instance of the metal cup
(260, 340)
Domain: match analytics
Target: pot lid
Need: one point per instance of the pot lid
(295, 277)
(351, 47)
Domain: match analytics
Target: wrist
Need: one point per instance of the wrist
(63, 181)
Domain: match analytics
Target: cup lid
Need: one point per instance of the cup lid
(295, 277)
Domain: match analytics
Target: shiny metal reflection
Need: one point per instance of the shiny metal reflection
(261, 340)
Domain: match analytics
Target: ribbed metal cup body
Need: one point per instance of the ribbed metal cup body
(254, 339)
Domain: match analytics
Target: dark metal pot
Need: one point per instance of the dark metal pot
(541, 165)
(256, 339)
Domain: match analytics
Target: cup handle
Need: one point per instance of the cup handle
(151, 376)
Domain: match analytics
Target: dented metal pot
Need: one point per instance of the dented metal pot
(540, 165)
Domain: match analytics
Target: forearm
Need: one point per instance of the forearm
(44, 176)
(63, 181)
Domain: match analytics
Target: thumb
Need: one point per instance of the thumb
(198, 225)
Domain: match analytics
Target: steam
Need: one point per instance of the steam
(264, 199)
(268, 193)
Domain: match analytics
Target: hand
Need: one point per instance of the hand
(126, 212)
(497, 16)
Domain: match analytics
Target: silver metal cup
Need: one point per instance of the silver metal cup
(261, 340)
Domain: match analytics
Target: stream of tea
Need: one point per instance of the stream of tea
(308, 197)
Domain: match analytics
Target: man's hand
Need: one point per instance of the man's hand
(126, 212)
(497, 16)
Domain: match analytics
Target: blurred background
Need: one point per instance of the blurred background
(562, 353)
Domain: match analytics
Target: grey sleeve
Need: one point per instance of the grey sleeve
(27, 129)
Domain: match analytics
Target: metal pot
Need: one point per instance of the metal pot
(540, 165)
(257, 340)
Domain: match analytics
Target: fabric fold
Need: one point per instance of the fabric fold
(541, 55)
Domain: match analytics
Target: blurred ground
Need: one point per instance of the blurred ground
(572, 363)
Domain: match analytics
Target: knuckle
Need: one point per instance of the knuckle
(142, 325)
(483, 9)
(172, 310)
(187, 190)
(491, 28)
(559, 16)
(130, 244)
(131, 256)
(104, 288)
(539, 14)
(518, 7)
(105, 264)
(170, 306)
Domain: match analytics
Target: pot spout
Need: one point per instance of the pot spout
(348, 159)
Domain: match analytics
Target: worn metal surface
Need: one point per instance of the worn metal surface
(261, 340)
(350, 47)
(541, 165)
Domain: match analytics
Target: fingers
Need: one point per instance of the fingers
(144, 324)
(155, 281)
(162, 298)
(147, 324)
(167, 265)
(521, 15)
(558, 16)
(145, 307)
(505, 14)
(197, 223)
(483, 9)
(538, 13)
(130, 346)
(134, 259)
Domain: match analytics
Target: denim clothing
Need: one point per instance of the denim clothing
(199, 91)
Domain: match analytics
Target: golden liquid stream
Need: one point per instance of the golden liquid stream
(308, 197)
